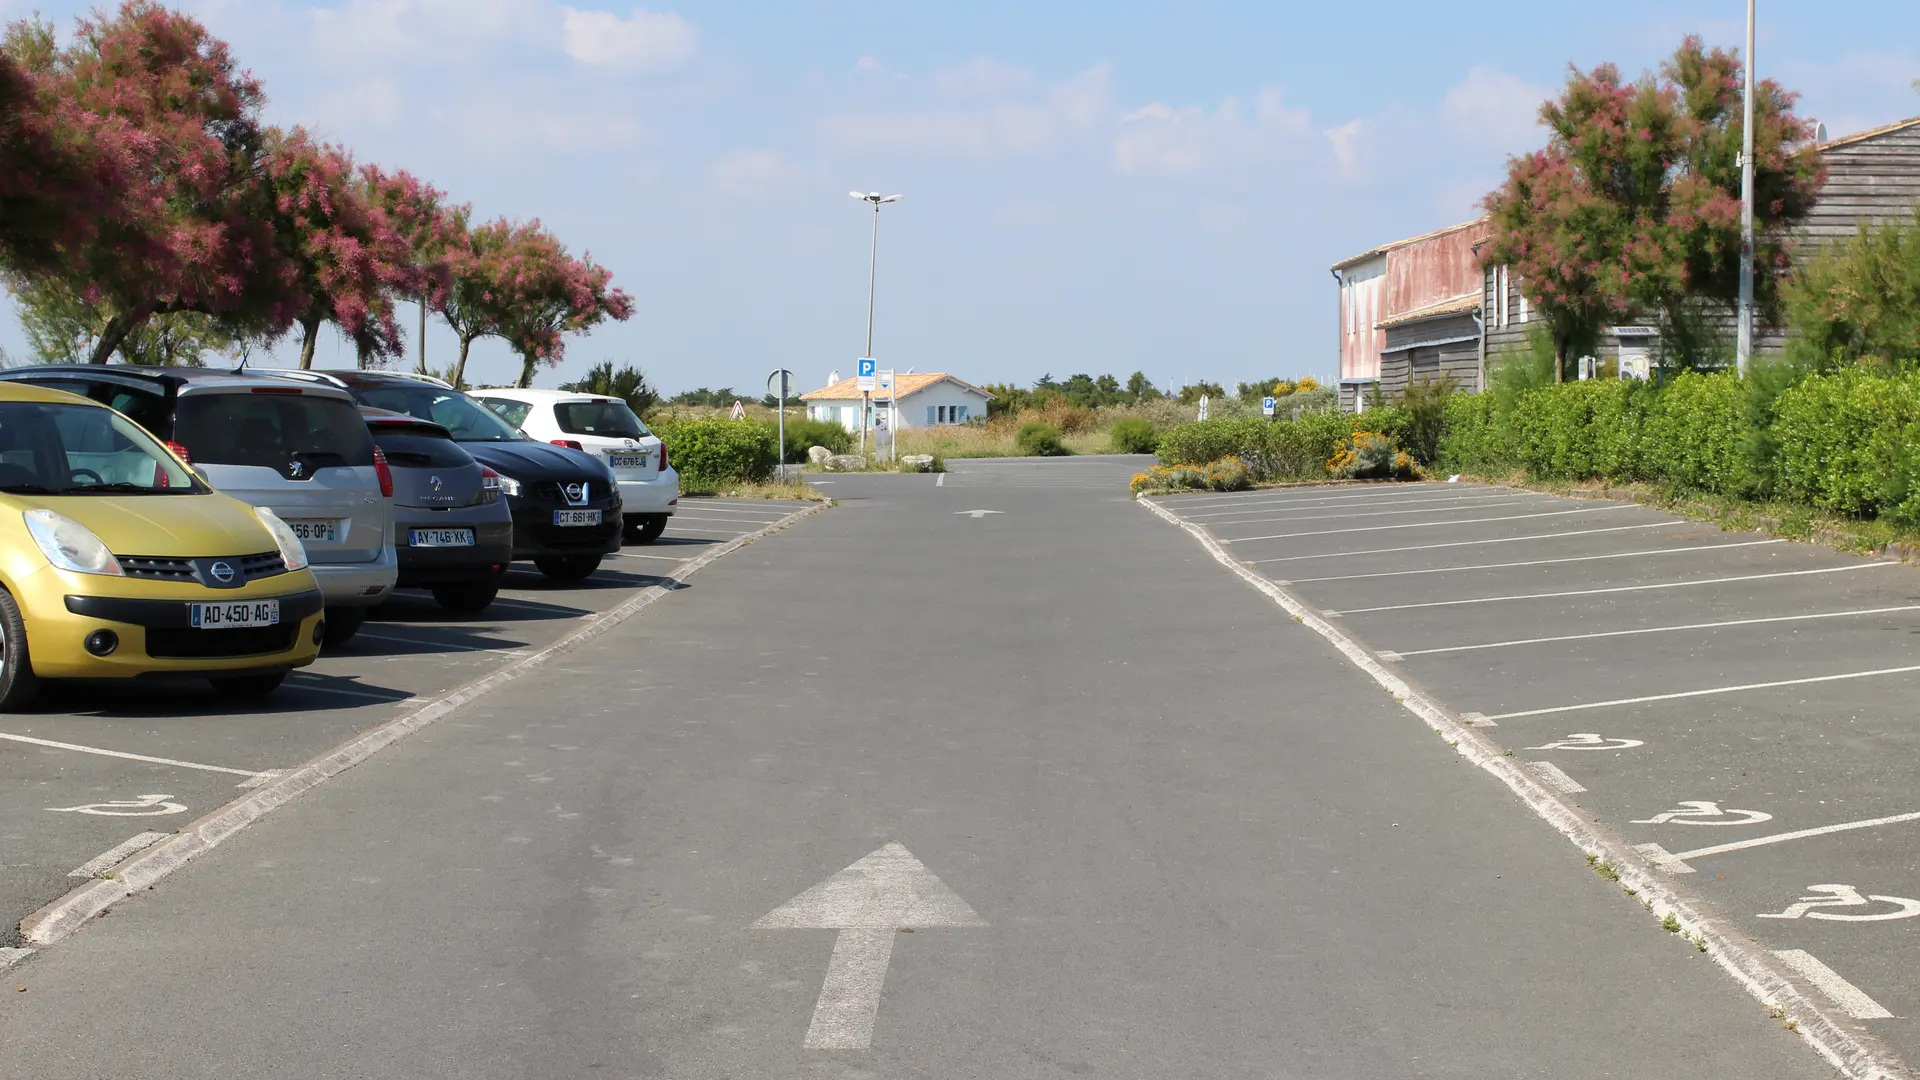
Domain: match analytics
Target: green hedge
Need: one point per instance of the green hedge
(714, 454)
(1275, 449)
(1847, 443)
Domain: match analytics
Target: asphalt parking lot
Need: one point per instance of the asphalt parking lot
(97, 770)
(1741, 708)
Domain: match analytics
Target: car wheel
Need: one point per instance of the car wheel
(18, 684)
(645, 528)
(248, 686)
(466, 597)
(568, 567)
(343, 623)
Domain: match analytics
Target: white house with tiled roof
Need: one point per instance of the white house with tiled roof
(927, 399)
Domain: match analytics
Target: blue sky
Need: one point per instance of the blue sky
(1090, 186)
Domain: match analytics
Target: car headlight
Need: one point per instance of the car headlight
(70, 545)
(509, 486)
(292, 551)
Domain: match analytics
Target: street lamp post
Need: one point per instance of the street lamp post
(1744, 350)
(873, 265)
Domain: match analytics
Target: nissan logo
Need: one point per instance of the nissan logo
(222, 572)
(576, 493)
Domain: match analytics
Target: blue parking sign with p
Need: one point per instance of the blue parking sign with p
(1266, 405)
(866, 367)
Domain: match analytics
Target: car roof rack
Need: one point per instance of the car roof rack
(305, 376)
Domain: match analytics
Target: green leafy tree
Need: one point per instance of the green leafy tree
(61, 329)
(626, 382)
(1634, 204)
(1140, 388)
(1857, 304)
(1191, 395)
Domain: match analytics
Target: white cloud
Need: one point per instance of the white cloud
(1017, 124)
(643, 41)
(1346, 143)
(1163, 140)
(756, 173)
(984, 78)
(1496, 109)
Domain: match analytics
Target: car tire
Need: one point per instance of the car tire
(566, 568)
(645, 528)
(248, 686)
(467, 597)
(343, 623)
(18, 684)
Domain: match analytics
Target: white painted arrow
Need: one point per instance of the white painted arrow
(977, 514)
(868, 902)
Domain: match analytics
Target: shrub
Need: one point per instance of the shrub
(1039, 439)
(1370, 455)
(1299, 449)
(713, 454)
(1580, 430)
(1695, 434)
(1846, 442)
(1476, 437)
(1200, 441)
(803, 435)
(1066, 418)
(1425, 404)
(1135, 436)
(1226, 474)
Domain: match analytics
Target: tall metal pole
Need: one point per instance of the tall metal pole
(873, 269)
(1744, 355)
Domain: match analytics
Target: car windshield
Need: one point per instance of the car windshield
(292, 432)
(603, 417)
(467, 419)
(53, 449)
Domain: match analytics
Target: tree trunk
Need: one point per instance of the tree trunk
(526, 372)
(115, 333)
(1560, 342)
(309, 337)
(460, 365)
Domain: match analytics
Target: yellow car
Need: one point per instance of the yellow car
(117, 560)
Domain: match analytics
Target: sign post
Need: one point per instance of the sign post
(865, 382)
(780, 384)
(1266, 407)
(1203, 406)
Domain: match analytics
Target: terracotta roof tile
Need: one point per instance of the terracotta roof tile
(904, 386)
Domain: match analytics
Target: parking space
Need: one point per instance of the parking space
(95, 767)
(1738, 706)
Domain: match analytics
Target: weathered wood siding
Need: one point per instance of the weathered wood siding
(1419, 352)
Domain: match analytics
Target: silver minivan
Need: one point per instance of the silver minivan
(300, 449)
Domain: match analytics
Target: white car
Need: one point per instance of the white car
(606, 428)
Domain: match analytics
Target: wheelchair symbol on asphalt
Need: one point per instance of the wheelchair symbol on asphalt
(1701, 812)
(1589, 741)
(144, 806)
(1839, 896)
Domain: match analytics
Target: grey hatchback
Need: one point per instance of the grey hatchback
(452, 530)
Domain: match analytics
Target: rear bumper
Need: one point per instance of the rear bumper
(492, 550)
(656, 496)
(358, 584)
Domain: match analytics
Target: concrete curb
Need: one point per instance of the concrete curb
(61, 918)
(1852, 1052)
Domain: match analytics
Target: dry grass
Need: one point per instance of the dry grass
(994, 439)
(795, 490)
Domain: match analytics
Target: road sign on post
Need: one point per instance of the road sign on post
(865, 378)
(1266, 407)
(780, 385)
(1203, 406)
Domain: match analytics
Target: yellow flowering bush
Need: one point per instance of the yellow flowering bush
(1370, 455)
(1226, 474)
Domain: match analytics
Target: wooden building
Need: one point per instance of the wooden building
(1408, 309)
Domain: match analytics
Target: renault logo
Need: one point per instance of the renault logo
(576, 493)
(222, 572)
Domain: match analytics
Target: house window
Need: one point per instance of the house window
(959, 414)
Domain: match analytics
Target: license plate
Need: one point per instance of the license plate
(576, 517)
(440, 537)
(629, 461)
(326, 529)
(235, 615)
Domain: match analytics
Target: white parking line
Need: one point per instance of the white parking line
(940, 480)
(637, 555)
(1657, 630)
(1304, 495)
(709, 508)
(1536, 562)
(1426, 524)
(77, 748)
(1798, 834)
(1285, 508)
(1336, 517)
(1465, 543)
(1851, 999)
(1612, 589)
(110, 858)
(1705, 693)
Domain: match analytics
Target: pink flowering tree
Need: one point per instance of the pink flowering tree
(434, 229)
(189, 227)
(516, 282)
(1634, 204)
(352, 264)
